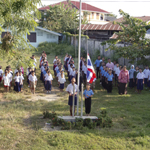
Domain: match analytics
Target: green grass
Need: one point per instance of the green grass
(21, 126)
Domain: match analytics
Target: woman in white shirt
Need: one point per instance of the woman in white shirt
(61, 81)
(48, 82)
(6, 80)
(140, 80)
(17, 82)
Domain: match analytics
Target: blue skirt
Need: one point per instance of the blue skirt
(140, 84)
(48, 86)
(17, 87)
(70, 102)
(145, 81)
(61, 86)
(41, 77)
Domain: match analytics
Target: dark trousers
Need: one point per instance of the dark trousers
(109, 87)
(97, 72)
(122, 88)
(88, 105)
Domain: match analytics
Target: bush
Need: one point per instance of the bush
(57, 49)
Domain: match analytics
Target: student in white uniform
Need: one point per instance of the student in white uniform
(146, 71)
(61, 81)
(33, 82)
(17, 82)
(48, 82)
(70, 92)
(6, 81)
(140, 80)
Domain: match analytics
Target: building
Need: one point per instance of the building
(38, 36)
(94, 15)
(105, 32)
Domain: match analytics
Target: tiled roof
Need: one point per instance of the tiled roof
(110, 26)
(85, 6)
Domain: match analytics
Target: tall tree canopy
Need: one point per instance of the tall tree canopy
(19, 16)
(61, 18)
(133, 35)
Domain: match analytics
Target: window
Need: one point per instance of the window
(101, 17)
(48, 36)
(3, 34)
(92, 15)
(40, 33)
(32, 37)
(97, 16)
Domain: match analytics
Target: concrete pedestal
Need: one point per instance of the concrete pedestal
(72, 119)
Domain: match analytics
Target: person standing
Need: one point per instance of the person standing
(131, 76)
(97, 64)
(88, 93)
(123, 80)
(110, 64)
(70, 92)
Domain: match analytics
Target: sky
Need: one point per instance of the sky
(133, 7)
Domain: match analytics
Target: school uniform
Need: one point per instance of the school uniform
(105, 84)
(6, 81)
(42, 69)
(70, 70)
(1, 73)
(73, 74)
(97, 63)
(109, 85)
(131, 77)
(48, 85)
(32, 79)
(135, 79)
(17, 82)
(70, 90)
(140, 77)
(149, 79)
(61, 80)
(117, 71)
(21, 78)
(146, 71)
(10, 77)
(88, 100)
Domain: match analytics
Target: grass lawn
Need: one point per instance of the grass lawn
(21, 126)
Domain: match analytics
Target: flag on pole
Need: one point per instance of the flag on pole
(91, 75)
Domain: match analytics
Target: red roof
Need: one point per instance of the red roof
(110, 26)
(85, 6)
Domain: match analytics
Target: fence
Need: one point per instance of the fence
(94, 45)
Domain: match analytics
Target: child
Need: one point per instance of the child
(17, 82)
(1, 74)
(6, 80)
(88, 93)
(33, 82)
(109, 80)
(73, 73)
(140, 81)
(48, 82)
(21, 78)
(131, 76)
(28, 74)
(135, 79)
(61, 81)
(146, 71)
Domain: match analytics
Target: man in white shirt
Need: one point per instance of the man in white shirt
(70, 91)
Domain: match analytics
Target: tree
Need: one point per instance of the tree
(19, 16)
(133, 36)
(61, 18)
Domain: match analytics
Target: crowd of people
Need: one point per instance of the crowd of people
(107, 72)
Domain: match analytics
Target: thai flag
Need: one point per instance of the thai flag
(91, 75)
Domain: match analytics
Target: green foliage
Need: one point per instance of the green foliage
(57, 49)
(18, 16)
(133, 35)
(61, 18)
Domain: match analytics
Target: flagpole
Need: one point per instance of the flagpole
(79, 51)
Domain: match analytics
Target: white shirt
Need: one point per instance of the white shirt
(84, 69)
(1, 72)
(56, 68)
(54, 60)
(61, 80)
(49, 78)
(70, 88)
(117, 71)
(58, 74)
(16, 78)
(32, 78)
(73, 73)
(42, 68)
(140, 75)
(6, 80)
(115, 68)
(16, 70)
(10, 76)
(146, 71)
(21, 78)
(70, 70)
(34, 62)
